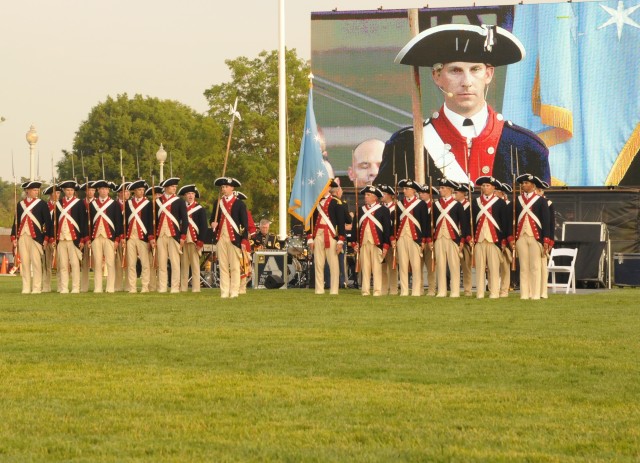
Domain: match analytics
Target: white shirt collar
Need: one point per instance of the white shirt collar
(479, 121)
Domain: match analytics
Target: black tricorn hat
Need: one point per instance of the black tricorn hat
(371, 189)
(191, 188)
(169, 182)
(464, 187)
(387, 189)
(101, 184)
(158, 190)
(121, 187)
(530, 178)
(240, 195)
(449, 183)
(138, 184)
(31, 184)
(487, 179)
(333, 183)
(505, 187)
(68, 184)
(467, 43)
(49, 190)
(408, 183)
(220, 181)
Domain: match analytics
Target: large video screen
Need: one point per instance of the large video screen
(578, 87)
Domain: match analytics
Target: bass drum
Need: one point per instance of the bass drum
(296, 246)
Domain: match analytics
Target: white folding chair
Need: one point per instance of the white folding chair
(569, 269)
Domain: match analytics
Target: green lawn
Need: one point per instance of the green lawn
(290, 376)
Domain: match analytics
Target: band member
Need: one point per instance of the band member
(544, 293)
(90, 193)
(452, 230)
(461, 194)
(106, 234)
(121, 272)
(412, 236)
(72, 234)
(246, 247)
(389, 271)
(492, 229)
(31, 228)
(374, 230)
(532, 238)
(229, 221)
(171, 232)
(49, 245)
(153, 256)
(503, 192)
(426, 194)
(262, 239)
(326, 240)
(140, 236)
(194, 243)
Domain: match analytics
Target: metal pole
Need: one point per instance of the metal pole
(282, 127)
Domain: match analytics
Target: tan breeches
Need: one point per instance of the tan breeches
(190, 260)
(409, 256)
(121, 273)
(544, 277)
(447, 255)
(370, 265)
(138, 249)
(431, 275)
(46, 269)
(488, 257)
(31, 255)
(389, 275)
(68, 256)
(322, 255)
(505, 272)
(168, 251)
(465, 265)
(85, 266)
(530, 256)
(229, 259)
(153, 272)
(104, 248)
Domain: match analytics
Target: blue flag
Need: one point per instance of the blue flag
(312, 179)
(579, 86)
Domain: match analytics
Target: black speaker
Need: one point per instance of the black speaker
(273, 282)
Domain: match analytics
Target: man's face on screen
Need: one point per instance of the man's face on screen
(466, 82)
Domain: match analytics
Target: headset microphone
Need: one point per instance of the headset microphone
(449, 94)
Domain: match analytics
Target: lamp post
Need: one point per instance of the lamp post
(161, 156)
(32, 139)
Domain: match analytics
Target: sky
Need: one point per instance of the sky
(60, 59)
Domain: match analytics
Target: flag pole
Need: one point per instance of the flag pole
(282, 127)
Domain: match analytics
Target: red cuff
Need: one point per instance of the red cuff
(199, 244)
(385, 246)
(183, 237)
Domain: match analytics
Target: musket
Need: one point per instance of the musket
(102, 159)
(466, 168)
(153, 207)
(355, 182)
(86, 199)
(124, 220)
(55, 218)
(513, 195)
(16, 254)
(431, 220)
(73, 168)
(395, 219)
(138, 166)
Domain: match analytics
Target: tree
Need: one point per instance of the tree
(137, 126)
(254, 146)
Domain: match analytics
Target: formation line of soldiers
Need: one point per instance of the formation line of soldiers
(153, 226)
(394, 238)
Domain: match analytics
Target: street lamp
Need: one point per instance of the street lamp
(161, 156)
(32, 139)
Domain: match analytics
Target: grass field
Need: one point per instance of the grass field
(290, 376)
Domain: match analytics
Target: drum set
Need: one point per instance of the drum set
(298, 261)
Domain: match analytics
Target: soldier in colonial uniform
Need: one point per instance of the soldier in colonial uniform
(412, 235)
(389, 264)
(171, 232)
(461, 194)
(140, 236)
(193, 245)
(229, 221)
(426, 194)
(492, 229)
(246, 247)
(72, 235)
(326, 239)
(32, 227)
(374, 230)
(121, 272)
(532, 238)
(153, 257)
(90, 193)
(503, 191)
(452, 231)
(106, 234)
(49, 245)
(544, 293)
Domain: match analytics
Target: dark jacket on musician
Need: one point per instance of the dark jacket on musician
(237, 211)
(42, 229)
(140, 213)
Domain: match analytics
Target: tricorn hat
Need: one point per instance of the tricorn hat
(487, 179)
(448, 183)
(240, 195)
(387, 189)
(530, 178)
(31, 184)
(169, 182)
(408, 183)
(191, 188)
(505, 187)
(68, 184)
(138, 184)
(371, 189)
(49, 190)
(448, 43)
(101, 184)
(158, 190)
(220, 181)
(123, 186)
